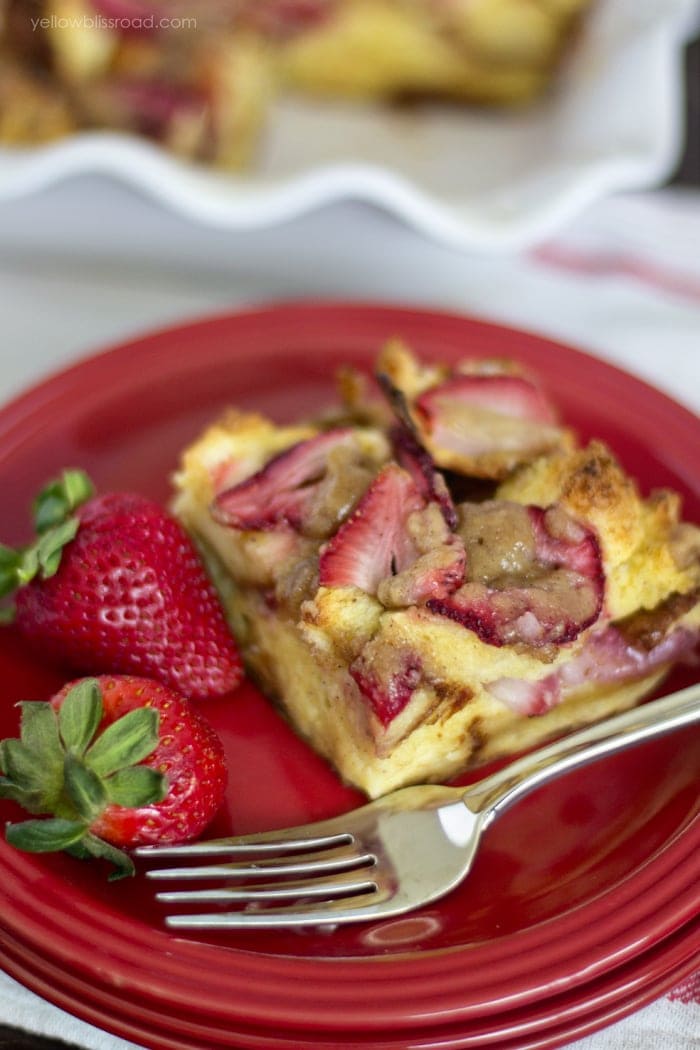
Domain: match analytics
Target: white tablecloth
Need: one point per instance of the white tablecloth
(89, 263)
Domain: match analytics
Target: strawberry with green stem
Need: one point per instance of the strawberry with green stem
(108, 764)
(113, 584)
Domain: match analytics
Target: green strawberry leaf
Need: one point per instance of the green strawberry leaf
(56, 526)
(44, 836)
(8, 556)
(77, 849)
(77, 486)
(51, 543)
(84, 788)
(50, 509)
(125, 742)
(97, 847)
(60, 498)
(31, 801)
(10, 561)
(80, 715)
(39, 728)
(50, 836)
(39, 735)
(20, 765)
(28, 566)
(136, 786)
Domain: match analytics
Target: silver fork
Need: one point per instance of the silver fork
(392, 855)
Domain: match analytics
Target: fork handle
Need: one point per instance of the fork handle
(495, 793)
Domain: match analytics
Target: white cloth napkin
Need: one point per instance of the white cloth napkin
(89, 263)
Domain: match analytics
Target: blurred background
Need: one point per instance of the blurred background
(594, 192)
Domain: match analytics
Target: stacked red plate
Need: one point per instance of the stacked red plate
(583, 904)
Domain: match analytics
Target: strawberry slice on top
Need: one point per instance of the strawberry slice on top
(504, 394)
(486, 424)
(479, 418)
(373, 543)
(308, 489)
(283, 492)
(395, 546)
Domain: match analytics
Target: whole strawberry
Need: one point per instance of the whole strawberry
(113, 584)
(114, 762)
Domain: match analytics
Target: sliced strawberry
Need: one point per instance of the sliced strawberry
(609, 656)
(282, 493)
(606, 657)
(528, 698)
(481, 416)
(388, 688)
(505, 395)
(395, 545)
(536, 576)
(563, 542)
(481, 419)
(373, 544)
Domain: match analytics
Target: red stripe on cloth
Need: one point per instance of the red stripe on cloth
(603, 264)
(688, 991)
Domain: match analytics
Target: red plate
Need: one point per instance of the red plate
(554, 1022)
(584, 900)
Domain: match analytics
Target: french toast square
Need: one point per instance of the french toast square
(409, 633)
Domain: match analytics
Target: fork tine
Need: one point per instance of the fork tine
(309, 865)
(358, 908)
(343, 884)
(268, 842)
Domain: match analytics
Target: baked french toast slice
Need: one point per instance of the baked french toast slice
(408, 632)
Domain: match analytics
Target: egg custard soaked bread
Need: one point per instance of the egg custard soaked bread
(442, 577)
